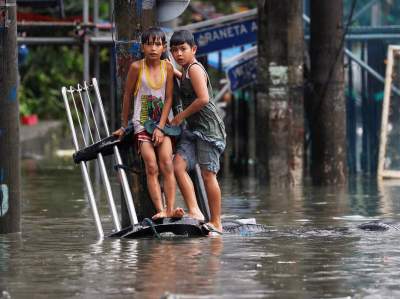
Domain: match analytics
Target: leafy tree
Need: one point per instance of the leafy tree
(46, 70)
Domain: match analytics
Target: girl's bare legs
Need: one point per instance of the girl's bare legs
(186, 186)
(214, 197)
(164, 152)
(153, 185)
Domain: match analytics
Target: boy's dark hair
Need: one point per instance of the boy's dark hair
(153, 33)
(180, 37)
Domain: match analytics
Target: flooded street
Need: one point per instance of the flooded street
(292, 88)
(313, 248)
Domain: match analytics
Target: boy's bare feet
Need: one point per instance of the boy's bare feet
(177, 213)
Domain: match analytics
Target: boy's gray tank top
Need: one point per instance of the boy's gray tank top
(206, 122)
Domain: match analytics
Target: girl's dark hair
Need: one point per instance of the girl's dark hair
(153, 33)
(180, 37)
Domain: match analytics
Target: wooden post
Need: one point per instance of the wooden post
(10, 213)
(328, 119)
(130, 21)
(280, 112)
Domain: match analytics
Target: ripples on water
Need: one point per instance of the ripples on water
(312, 249)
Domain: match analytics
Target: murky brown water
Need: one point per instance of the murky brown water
(313, 248)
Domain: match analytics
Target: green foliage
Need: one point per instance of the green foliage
(226, 7)
(46, 71)
(48, 68)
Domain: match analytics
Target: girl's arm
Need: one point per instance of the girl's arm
(130, 84)
(199, 83)
(168, 96)
(158, 135)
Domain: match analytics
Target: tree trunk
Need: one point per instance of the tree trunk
(10, 213)
(280, 111)
(130, 22)
(328, 117)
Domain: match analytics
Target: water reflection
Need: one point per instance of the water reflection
(178, 266)
(312, 249)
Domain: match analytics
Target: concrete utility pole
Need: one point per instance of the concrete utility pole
(10, 213)
(131, 18)
(328, 116)
(280, 112)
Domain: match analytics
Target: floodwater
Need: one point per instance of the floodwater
(312, 249)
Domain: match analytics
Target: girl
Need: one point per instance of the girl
(150, 80)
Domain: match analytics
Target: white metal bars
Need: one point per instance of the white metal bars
(88, 133)
(389, 147)
(84, 170)
(118, 160)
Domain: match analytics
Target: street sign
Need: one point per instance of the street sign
(241, 56)
(226, 36)
(243, 73)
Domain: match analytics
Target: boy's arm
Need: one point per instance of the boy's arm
(130, 84)
(177, 73)
(199, 83)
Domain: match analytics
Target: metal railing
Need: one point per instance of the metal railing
(90, 130)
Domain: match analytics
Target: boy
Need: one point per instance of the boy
(150, 80)
(203, 141)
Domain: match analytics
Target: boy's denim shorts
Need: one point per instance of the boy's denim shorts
(195, 150)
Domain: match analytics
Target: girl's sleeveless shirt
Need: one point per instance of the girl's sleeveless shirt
(149, 97)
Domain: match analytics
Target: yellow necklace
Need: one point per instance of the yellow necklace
(154, 85)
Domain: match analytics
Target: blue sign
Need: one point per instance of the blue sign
(226, 36)
(23, 52)
(12, 95)
(243, 73)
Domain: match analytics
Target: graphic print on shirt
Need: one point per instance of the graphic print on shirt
(151, 108)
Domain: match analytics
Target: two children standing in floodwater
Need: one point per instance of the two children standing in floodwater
(202, 141)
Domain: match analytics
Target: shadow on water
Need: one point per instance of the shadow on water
(312, 247)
